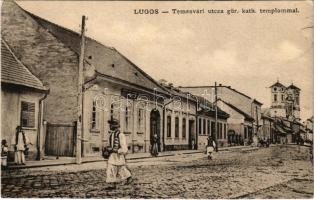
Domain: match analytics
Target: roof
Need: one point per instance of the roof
(246, 116)
(229, 87)
(293, 87)
(278, 84)
(106, 60)
(255, 101)
(208, 108)
(13, 71)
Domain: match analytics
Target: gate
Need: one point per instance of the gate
(60, 139)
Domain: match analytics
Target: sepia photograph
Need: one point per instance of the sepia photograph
(157, 99)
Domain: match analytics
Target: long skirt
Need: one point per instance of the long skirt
(209, 150)
(19, 157)
(154, 150)
(117, 173)
(4, 161)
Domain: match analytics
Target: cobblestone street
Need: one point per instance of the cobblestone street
(276, 172)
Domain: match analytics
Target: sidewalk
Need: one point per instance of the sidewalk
(52, 161)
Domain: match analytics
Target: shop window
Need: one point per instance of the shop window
(204, 126)
(28, 114)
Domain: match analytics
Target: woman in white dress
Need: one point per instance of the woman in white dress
(20, 147)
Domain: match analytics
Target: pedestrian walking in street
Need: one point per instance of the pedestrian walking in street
(154, 142)
(117, 171)
(20, 146)
(211, 145)
(4, 154)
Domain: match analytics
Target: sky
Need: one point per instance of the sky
(248, 52)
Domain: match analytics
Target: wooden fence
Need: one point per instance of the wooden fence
(60, 139)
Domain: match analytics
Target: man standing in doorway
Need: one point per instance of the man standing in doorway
(116, 162)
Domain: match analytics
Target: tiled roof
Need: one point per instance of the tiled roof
(106, 60)
(247, 116)
(15, 72)
(223, 86)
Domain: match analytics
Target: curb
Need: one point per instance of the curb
(13, 167)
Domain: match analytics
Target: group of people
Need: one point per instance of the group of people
(20, 142)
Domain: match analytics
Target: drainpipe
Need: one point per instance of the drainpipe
(40, 110)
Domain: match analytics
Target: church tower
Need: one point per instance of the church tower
(278, 100)
(293, 102)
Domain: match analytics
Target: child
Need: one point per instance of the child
(4, 154)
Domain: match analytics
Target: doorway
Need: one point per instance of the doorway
(155, 126)
(192, 138)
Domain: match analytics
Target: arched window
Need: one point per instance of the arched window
(94, 116)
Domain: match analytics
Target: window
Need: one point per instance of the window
(28, 114)
(204, 126)
(183, 128)
(115, 111)
(200, 126)
(176, 131)
(219, 130)
(141, 119)
(168, 126)
(275, 97)
(212, 126)
(94, 116)
(245, 133)
(128, 115)
(208, 128)
(282, 97)
(225, 131)
(297, 100)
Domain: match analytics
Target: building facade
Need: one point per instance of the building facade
(22, 96)
(251, 107)
(114, 87)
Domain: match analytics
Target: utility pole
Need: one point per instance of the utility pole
(216, 116)
(79, 130)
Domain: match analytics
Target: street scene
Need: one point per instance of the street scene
(112, 99)
(275, 172)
